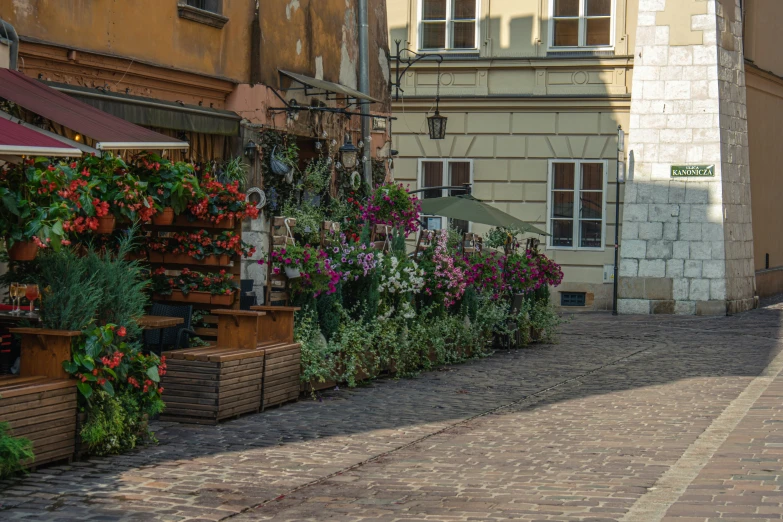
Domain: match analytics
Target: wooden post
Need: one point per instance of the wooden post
(237, 328)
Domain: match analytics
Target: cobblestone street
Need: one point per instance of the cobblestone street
(630, 418)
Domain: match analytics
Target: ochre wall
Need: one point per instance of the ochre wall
(146, 30)
(765, 128)
(319, 38)
(763, 35)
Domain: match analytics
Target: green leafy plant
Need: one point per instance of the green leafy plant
(317, 176)
(170, 184)
(115, 423)
(234, 170)
(13, 452)
(189, 281)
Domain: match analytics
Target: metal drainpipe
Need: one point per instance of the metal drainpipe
(364, 87)
(7, 31)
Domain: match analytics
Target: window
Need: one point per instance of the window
(581, 23)
(577, 204)
(439, 173)
(448, 24)
(573, 298)
(213, 6)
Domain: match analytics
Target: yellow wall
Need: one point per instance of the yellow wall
(147, 30)
(5, 56)
(765, 128)
(763, 35)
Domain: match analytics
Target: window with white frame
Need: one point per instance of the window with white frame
(581, 23)
(576, 204)
(448, 24)
(439, 173)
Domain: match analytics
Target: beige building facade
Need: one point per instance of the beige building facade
(535, 91)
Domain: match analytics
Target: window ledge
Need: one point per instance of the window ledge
(201, 16)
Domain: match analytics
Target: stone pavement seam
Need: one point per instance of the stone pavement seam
(653, 505)
(527, 400)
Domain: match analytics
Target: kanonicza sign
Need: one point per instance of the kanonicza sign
(693, 171)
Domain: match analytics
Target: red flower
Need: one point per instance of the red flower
(121, 331)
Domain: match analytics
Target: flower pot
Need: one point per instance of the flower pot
(136, 256)
(155, 257)
(225, 224)
(292, 273)
(184, 259)
(164, 217)
(191, 297)
(223, 299)
(106, 225)
(23, 251)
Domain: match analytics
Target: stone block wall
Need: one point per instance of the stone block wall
(687, 242)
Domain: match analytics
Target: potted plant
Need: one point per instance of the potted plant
(393, 205)
(309, 269)
(194, 287)
(172, 186)
(283, 162)
(221, 203)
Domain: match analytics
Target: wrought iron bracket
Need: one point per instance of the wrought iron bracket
(413, 57)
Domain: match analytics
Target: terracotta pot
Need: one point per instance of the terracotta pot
(184, 259)
(23, 251)
(106, 224)
(192, 297)
(155, 257)
(164, 217)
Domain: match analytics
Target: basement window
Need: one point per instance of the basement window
(572, 298)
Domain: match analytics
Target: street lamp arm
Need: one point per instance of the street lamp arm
(409, 62)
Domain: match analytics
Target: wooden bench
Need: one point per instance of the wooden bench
(42, 410)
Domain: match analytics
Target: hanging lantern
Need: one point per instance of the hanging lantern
(349, 154)
(437, 125)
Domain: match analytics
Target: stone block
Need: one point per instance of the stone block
(538, 147)
(713, 269)
(578, 123)
(681, 289)
(664, 213)
(489, 170)
(690, 231)
(511, 146)
(528, 170)
(659, 249)
(713, 308)
(711, 231)
(701, 250)
(634, 249)
(533, 123)
(650, 230)
(681, 249)
(718, 289)
(635, 212)
(630, 288)
(670, 231)
(629, 267)
(483, 147)
(692, 268)
(630, 231)
(489, 123)
(685, 308)
(633, 306)
(658, 288)
(675, 268)
(652, 268)
(662, 307)
(700, 290)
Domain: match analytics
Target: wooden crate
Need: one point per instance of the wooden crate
(282, 370)
(42, 410)
(209, 384)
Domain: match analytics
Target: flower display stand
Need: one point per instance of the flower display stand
(42, 410)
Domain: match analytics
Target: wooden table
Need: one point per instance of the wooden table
(159, 322)
(7, 316)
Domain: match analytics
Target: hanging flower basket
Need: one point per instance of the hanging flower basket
(106, 224)
(184, 259)
(163, 218)
(292, 273)
(279, 167)
(23, 251)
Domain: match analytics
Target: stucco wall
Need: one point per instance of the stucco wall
(5, 52)
(147, 30)
(510, 150)
(763, 35)
(765, 128)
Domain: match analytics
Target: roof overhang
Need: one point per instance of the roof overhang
(19, 140)
(331, 90)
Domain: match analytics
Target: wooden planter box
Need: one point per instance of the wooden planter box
(282, 368)
(198, 298)
(184, 259)
(206, 385)
(42, 410)
(225, 224)
(155, 257)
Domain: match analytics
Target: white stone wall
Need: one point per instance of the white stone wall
(687, 108)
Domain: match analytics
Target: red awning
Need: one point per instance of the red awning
(109, 132)
(18, 140)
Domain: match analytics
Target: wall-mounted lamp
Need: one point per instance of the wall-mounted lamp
(250, 149)
(78, 137)
(349, 153)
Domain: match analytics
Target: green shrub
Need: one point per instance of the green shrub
(114, 424)
(13, 450)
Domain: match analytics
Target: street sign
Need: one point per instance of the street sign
(693, 171)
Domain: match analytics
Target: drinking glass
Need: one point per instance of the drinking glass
(12, 294)
(20, 290)
(31, 293)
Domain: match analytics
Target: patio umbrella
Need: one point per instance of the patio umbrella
(468, 208)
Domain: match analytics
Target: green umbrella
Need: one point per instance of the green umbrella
(468, 208)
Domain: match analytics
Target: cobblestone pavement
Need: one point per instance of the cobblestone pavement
(631, 418)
